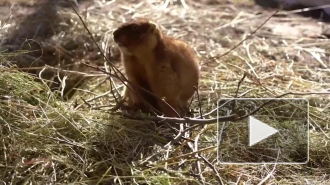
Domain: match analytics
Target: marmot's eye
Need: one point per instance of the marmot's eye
(134, 28)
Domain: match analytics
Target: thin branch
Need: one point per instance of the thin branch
(213, 168)
(232, 117)
(236, 93)
(248, 37)
(199, 103)
(280, 96)
(239, 84)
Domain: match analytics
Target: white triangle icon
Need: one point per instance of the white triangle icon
(259, 131)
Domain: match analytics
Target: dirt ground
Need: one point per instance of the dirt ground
(305, 24)
(249, 16)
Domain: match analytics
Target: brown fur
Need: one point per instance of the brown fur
(165, 66)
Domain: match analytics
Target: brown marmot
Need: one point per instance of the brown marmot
(167, 67)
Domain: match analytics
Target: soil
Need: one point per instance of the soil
(307, 24)
(313, 28)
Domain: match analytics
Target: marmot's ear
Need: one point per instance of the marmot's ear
(153, 27)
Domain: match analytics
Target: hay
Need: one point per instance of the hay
(48, 141)
(51, 35)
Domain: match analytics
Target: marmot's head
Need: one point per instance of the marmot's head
(137, 36)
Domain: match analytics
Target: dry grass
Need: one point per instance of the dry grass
(48, 141)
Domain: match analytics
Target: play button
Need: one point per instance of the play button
(259, 131)
(263, 137)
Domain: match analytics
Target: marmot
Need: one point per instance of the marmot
(167, 67)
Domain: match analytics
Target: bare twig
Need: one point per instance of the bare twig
(236, 93)
(213, 168)
(111, 90)
(195, 148)
(118, 105)
(239, 84)
(88, 104)
(232, 117)
(248, 37)
(282, 95)
(199, 103)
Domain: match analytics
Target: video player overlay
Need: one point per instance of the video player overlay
(273, 131)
